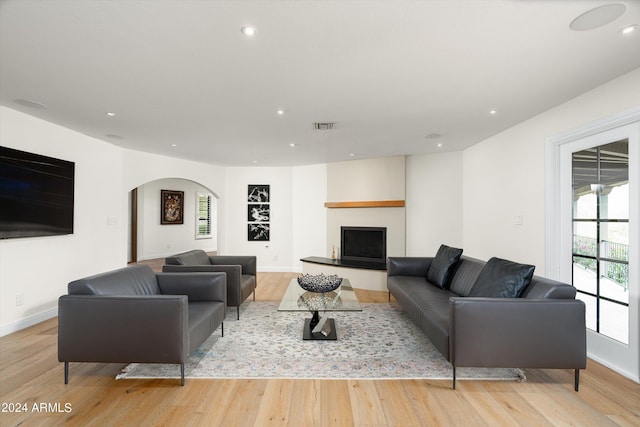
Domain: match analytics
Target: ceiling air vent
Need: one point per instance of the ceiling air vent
(323, 125)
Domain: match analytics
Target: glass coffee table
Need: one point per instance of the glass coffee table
(319, 327)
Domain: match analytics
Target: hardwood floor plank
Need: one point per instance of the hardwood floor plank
(365, 406)
(275, 405)
(31, 374)
(336, 406)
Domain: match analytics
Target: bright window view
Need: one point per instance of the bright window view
(601, 237)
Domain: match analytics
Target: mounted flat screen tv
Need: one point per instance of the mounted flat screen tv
(363, 244)
(36, 195)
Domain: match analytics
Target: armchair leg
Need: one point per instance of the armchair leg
(182, 374)
(222, 328)
(454, 377)
(577, 379)
(238, 311)
(66, 372)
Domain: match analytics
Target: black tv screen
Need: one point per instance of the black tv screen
(36, 195)
(363, 243)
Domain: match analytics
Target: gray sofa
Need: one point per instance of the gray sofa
(136, 315)
(240, 270)
(543, 327)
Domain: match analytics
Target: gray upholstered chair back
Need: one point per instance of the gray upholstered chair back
(134, 280)
(194, 257)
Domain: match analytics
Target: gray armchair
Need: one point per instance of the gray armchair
(136, 315)
(240, 270)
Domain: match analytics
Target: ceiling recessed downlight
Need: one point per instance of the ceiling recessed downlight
(248, 31)
(280, 112)
(493, 112)
(628, 30)
(598, 17)
(110, 114)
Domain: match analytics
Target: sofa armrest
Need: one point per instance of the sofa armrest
(247, 262)
(197, 286)
(517, 333)
(408, 266)
(120, 329)
(233, 272)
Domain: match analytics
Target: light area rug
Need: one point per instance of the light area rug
(380, 342)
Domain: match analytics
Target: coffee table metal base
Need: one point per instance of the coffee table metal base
(308, 335)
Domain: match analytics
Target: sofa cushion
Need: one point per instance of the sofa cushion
(440, 269)
(137, 279)
(501, 278)
(465, 274)
(194, 257)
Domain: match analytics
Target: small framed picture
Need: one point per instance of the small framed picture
(258, 232)
(171, 207)
(258, 194)
(258, 212)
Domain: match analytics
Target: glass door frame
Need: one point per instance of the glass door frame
(620, 357)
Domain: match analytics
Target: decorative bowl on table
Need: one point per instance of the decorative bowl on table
(319, 283)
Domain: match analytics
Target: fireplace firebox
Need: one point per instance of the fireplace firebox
(363, 244)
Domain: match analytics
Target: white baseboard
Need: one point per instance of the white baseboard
(614, 368)
(278, 269)
(28, 321)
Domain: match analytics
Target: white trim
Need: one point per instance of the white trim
(25, 322)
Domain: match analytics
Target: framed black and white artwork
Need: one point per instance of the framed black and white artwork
(258, 212)
(258, 232)
(258, 194)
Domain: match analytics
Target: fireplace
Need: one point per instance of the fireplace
(363, 244)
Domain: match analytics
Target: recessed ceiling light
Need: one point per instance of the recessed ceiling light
(30, 104)
(248, 31)
(598, 17)
(351, 155)
(493, 112)
(280, 112)
(629, 30)
(292, 145)
(174, 145)
(110, 114)
(254, 162)
(439, 144)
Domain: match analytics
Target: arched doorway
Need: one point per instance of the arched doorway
(150, 238)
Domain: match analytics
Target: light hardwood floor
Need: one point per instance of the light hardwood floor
(30, 374)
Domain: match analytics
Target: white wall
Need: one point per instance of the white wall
(504, 176)
(434, 202)
(40, 267)
(276, 254)
(158, 241)
(309, 218)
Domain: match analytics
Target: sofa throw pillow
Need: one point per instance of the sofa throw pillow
(501, 278)
(439, 271)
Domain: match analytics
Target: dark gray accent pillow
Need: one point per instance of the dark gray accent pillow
(501, 278)
(440, 269)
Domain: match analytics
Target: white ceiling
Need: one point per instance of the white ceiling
(388, 73)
